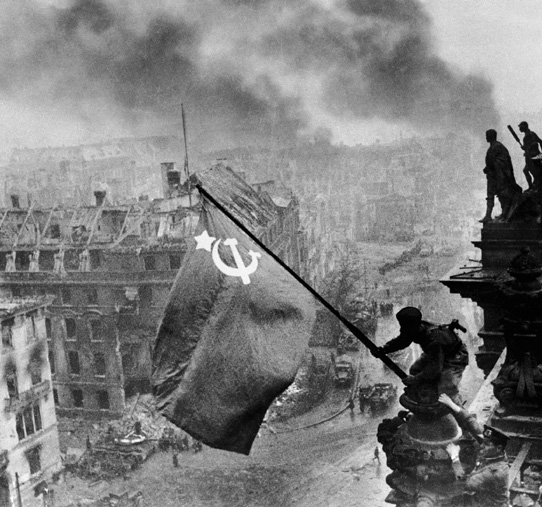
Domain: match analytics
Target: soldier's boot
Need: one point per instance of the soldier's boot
(489, 210)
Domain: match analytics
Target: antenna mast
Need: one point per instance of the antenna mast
(186, 169)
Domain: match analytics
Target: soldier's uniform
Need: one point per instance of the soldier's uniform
(533, 168)
(444, 357)
(488, 483)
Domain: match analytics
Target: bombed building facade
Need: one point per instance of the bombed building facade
(109, 269)
(29, 444)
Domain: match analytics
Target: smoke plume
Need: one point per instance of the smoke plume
(247, 71)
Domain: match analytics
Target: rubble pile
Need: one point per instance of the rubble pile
(292, 402)
(528, 491)
(142, 409)
(109, 453)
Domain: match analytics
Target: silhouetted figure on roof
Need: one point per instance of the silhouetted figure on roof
(531, 148)
(501, 182)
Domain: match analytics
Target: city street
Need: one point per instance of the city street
(330, 464)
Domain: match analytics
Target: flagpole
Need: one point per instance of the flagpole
(186, 169)
(353, 329)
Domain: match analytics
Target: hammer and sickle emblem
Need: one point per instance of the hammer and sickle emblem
(241, 270)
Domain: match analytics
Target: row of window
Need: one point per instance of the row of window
(72, 261)
(88, 296)
(74, 365)
(78, 399)
(94, 327)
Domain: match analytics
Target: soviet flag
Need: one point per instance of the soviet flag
(232, 337)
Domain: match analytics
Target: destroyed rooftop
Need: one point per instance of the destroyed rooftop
(142, 224)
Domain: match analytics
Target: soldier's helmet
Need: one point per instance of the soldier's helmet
(523, 124)
(409, 316)
(495, 436)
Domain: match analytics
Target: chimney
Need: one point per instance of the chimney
(100, 197)
(15, 201)
(171, 179)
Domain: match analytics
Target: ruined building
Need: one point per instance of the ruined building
(29, 446)
(110, 269)
(507, 285)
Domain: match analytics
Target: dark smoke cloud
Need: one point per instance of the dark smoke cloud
(246, 70)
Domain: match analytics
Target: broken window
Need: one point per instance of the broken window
(77, 398)
(37, 416)
(145, 295)
(150, 263)
(99, 364)
(92, 296)
(7, 332)
(127, 363)
(31, 332)
(52, 362)
(95, 259)
(47, 260)
(11, 380)
(174, 261)
(48, 329)
(19, 426)
(103, 400)
(28, 421)
(34, 459)
(73, 362)
(35, 372)
(22, 261)
(66, 294)
(71, 260)
(95, 326)
(71, 329)
(54, 231)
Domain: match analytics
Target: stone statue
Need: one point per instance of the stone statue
(500, 179)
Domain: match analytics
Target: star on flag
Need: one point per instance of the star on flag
(204, 241)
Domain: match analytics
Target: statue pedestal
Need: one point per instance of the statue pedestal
(415, 448)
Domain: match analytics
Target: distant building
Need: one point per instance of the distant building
(29, 447)
(392, 218)
(110, 269)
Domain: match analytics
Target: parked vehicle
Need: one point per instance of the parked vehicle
(383, 397)
(365, 393)
(344, 370)
(167, 439)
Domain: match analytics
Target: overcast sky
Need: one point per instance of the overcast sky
(84, 70)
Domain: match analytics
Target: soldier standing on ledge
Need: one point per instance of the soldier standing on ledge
(533, 168)
(444, 357)
(500, 179)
